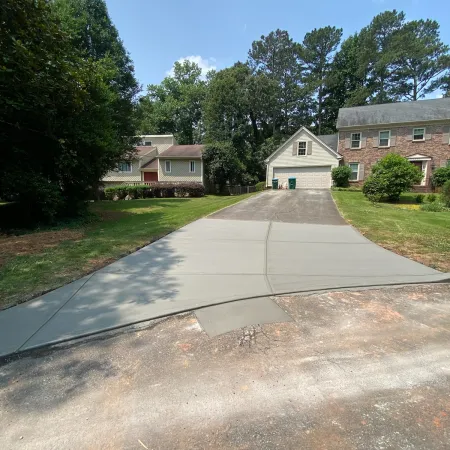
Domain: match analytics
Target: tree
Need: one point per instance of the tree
(392, 176)
(440, 176)
(378, 55)
(89, 26)
(57, 133)
(421, 59)
(277, 57)
(316, 52)
(175, 106)
(222, 164)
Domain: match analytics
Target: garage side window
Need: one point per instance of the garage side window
(301, 151)
(355, 168)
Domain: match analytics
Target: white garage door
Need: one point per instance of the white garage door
(307, 177)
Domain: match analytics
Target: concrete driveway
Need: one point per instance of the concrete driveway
(298, 243)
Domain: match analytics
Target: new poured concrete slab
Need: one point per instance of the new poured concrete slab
(111, 300)
(221, 319)
(19, 323)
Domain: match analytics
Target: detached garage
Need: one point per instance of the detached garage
(305, 157)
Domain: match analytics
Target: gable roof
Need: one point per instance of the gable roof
(331, 140)
(182, 151)
(403, 112)
(142, 150)
(312, 136)
(152, 164)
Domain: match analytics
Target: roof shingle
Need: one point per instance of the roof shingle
(403, 112)
(186, 151)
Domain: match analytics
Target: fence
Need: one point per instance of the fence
(239, 190)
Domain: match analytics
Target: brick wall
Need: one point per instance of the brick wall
(401, 143)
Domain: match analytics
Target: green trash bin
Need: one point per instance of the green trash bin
(275, 183)
(292, 183)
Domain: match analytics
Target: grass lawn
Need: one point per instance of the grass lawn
(402, 228)
(37, 262)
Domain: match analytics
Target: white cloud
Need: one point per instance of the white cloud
(206, 64)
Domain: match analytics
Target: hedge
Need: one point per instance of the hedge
(156, 190)
(260, 186)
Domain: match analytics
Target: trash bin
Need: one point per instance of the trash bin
(292, 183)
(275, 183)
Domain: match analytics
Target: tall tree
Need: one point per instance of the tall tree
(317, 53)
(277, 57)
(421, 59)
(91, 30)
(58, 136)
(175, 105)
(378, 55)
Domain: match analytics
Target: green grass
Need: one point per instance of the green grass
(419, 235)
(124, 227)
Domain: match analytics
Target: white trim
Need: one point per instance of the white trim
(351, 140)
(379, 139)
(424, 133)
(313, 137)
(357, 170)
(306, 148)
(190, 162)
(165, 166)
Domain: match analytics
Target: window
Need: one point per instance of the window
(168, 166)
(301, 148)
(125, 167)
(385, 139)
(147, 143)
(448, 162)
(355, 169)
(418, 134)
(355, 140)
(192, 166)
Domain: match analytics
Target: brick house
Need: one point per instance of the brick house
(416, 130)
(159, 158)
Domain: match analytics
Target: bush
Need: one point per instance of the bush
(260, 186)
(374, 189)
(420, 198)
(440, 176)
(156, 190)
(433, 207)
(395, 175)
(445, 194)
(341, 176)
(431, 198)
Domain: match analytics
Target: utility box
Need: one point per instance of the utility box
(292, 183)
(275, 183)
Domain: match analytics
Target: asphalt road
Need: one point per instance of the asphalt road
(352, 370)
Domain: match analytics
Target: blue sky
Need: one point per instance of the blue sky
(218, 33)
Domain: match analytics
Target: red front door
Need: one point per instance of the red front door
(150, 176)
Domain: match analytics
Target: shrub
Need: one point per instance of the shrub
(395, 175)
(156, 190)
(420, 198)
(260, 186)
(433, 207)
(431, 198)
(341, 176)
(347, 189)
(440, 176)
(445, 194)
(374, 189)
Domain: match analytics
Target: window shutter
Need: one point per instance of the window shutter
(347, 142)
(427, 136)
(294, 148)
(363, 140)
(393, 139)
(361, 172)
(309, 148)
(409, 136)
(446, 135)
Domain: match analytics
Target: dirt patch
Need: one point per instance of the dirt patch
(34, 243)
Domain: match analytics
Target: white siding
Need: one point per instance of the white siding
(284, 158)
(135, 175)
(161, 142)
(180, 170)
